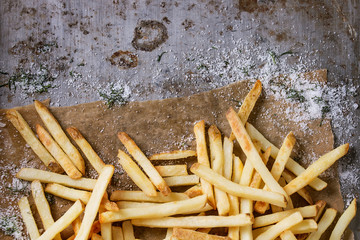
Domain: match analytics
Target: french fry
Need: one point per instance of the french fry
(320, 205)
(106, 230)
(173, 155)
(291, 164)
(316, 168)
(144, 162)
(96, 236)
(160, 210)
(287, 235)
(344, 221)
(117, 233)
(302, 192)
(203, 158)
(31, 174)
(187, 234)
(236, 189)
(140, 196)
(76, 225)
(128, 231)
(324, 223)
(28, 218)
(265, 220)
(107, 204)
(135, 173)
(169, 232)
(94, 202)
(21, 125)
(95, 228)
(86, 148)
(217, 157)
(290, 204)
(65, 220)
(237, 169)
(57, 152)
(251, 153)
(68, 193)
(42, 206)
(194, 191)
(59, 135)
(306, 226)
(228, 158)
(196, 221)
(129, 204)
(172, 170)
(281, 226)
(248, 104)
(256, 179)
(188, 180)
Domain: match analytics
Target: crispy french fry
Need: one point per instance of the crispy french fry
(117, 233)
(172, 170)
(306, 226)
(196, 221)
(287, 235)
(31, 174)
(57, 152)
(76, 225)
(173, 155)
(107, 204)
(95, 228)
(316, 168)
(59, 135)
(106, 230)
(203, 158)
(194, 191)
(217, 157)
(188, 180)
(302, 192)
(248, 104)
(251, 153)
(291, 164)
(86, 148)
(21, 125)
(281, 226)
(320, 205)
(94, 202)
(128, 231)
(144, 162)
(160, 210)
(42, 206)
(324, 223)
(228, 158)
(68, 193)
(237, 169)
(187, 234)
(28, 218)
(65, 220)
(130, 204)
(290, 204)
(256, 179)
(236, 189)
(96, 236)
(169, 232)
(344, 221)
(265, 220)
(135, 173)
(140, 196)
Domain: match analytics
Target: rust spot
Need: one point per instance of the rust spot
(124, 59)
(149, 35)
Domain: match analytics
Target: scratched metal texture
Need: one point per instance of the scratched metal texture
(77, 41)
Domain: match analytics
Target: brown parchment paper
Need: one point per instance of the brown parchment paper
(158, 126)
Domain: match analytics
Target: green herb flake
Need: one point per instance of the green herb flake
(116, 96)
(295, 95)
(160, 56)
(9, 224)
(203, 66)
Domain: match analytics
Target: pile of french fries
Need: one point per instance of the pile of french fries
(225, 191)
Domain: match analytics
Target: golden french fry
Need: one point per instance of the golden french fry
(31, 174)
(21, 125)
(188, 180)
(144, 162)
(287, 235)
(42, 206)
(196, 221)
(324, 223)
(228, 158)
(76, 225)
(140, 196)
(302, 192)
(68, 193)
(57, 152)
(96, 236)
(251, 153)
(160, 210)
(28, 218)
(203, 158)
(172, 170)
(194, 191)
(117, 233)
(106, 230)
(94, 202)
(187, 234)
(256, 179)
(107, 204)
(169, 232)
(290, 204)
(173, 155)
(86, 148)
(316, 168)
(59, 135)
(65, 220)
(236, 189)
(128, 231)
(130, 204)
(320, 205)
(237, 169)
(281, 226)
(135, 173)
(248, 104)
(306, 226)
(344, 221)
(291, 164)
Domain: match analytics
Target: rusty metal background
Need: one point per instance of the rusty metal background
(85, 46)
